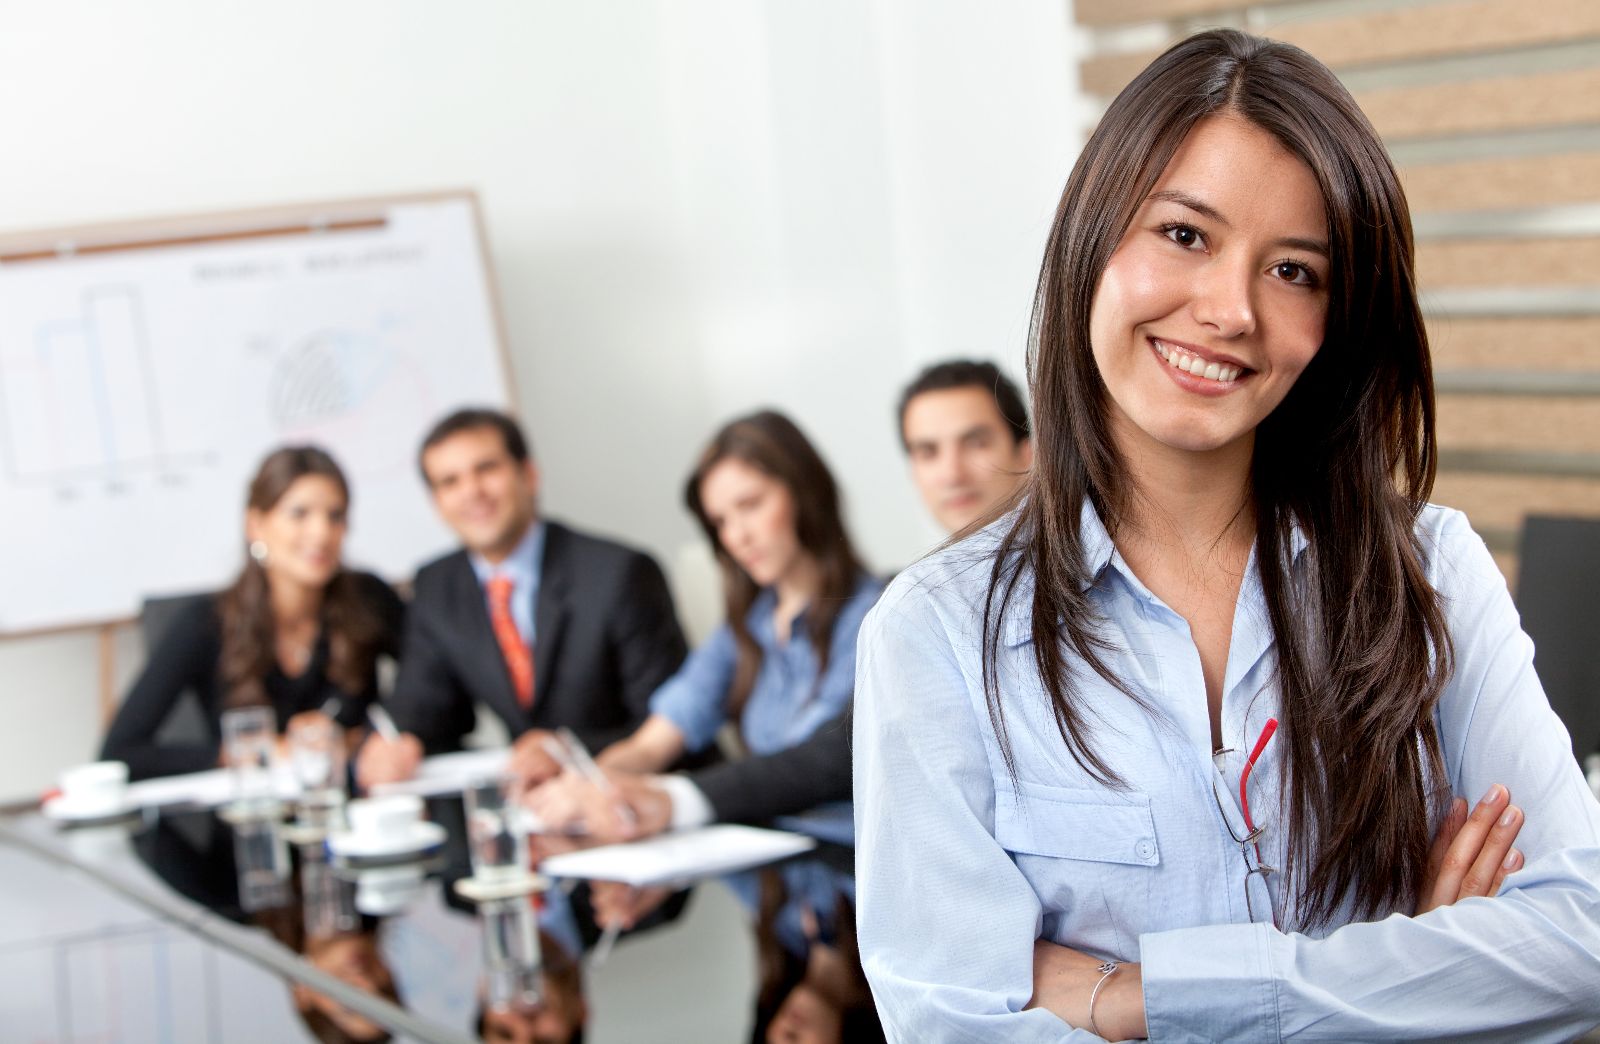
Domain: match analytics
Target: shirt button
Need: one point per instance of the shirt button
(1146, 849)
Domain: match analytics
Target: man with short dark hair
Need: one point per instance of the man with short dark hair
(544, 625)
(965, 430)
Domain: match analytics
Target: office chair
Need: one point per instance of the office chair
(1558, 594)
(187, 722)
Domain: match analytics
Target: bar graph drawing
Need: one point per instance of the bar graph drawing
(84, 403)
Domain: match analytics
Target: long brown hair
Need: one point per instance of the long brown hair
(352, 628)
(769, 442)
(1348, 457)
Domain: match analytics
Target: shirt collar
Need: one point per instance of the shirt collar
(521, 565)
(1100, 553)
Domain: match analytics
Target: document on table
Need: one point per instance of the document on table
(450, 773)
(681, 856)
(210, 788)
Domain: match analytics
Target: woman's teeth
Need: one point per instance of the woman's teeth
(1193, 365)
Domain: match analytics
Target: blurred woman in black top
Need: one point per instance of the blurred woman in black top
(296, 631)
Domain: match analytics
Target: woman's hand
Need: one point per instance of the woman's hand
(626, 809)
(1064, 979)
(1472, 855)
(623, 906)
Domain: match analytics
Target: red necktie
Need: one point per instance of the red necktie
(519, 659)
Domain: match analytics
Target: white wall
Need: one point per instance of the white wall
(695, 207)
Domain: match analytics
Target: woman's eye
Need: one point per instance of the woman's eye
(1294, 272)
(1183, 235)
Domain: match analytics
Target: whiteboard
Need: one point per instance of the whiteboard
(145, 370)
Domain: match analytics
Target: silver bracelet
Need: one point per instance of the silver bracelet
(1106, 970)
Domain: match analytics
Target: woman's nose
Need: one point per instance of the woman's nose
(1222, 298)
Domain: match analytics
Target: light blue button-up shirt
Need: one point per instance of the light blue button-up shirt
(960, 869)
(524, 566)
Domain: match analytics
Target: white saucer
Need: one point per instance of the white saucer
(63, 809)
(418, 838)
(480, 891)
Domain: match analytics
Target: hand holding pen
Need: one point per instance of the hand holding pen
(388, 755)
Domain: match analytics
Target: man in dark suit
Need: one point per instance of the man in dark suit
(544, 625)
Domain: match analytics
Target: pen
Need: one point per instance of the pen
(602, 949)
(382, 724)
(578, 756)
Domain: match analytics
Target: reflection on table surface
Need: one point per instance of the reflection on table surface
(315, 946)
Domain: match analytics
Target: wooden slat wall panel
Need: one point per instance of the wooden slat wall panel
(1432, 31)
(1122, 12)
(1502, 501)
(1557, 99)
(1508, 184)
(1539, 344)
(1510, 422)
(1403, 34)
(1509, 262)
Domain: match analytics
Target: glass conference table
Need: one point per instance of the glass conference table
(182, 925)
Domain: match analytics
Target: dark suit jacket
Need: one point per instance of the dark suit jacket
(605, 636)
(788, 781)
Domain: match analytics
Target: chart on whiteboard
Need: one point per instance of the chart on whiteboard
(140, 386)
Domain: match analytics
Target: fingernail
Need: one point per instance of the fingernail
(1513, 857)
(1495, 794)
(1510, 816)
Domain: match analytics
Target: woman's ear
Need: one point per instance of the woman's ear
(254, 520)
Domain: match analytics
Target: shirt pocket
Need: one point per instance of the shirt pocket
(1090, 855)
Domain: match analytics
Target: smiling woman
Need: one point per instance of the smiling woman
(1182, 746)
(296, 631)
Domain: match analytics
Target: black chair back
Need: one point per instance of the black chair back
(187, 723)
(1558, 594)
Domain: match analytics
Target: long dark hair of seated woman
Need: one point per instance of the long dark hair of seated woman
(353, 630)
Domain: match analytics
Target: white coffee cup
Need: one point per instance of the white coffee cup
(384, 818)
(97, 787)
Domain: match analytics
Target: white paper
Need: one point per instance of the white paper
(449, 773)
(681, 856)
(211, 788)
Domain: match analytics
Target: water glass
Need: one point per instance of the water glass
(248, 735)
(511, 958)
(316, 756)
(497, 838)
(261, 856)
(329, 906)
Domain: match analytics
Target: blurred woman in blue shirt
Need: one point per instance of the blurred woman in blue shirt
(784, 662)
(795, 593)
(1178, 746)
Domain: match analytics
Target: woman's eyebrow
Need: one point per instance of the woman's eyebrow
(1194, 203)
(1201, 207)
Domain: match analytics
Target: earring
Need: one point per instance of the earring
(258, 551)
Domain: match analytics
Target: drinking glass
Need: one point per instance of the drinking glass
(497, 838)
(248, 734)
(511, 957)
(316, 756)
(261, 856)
